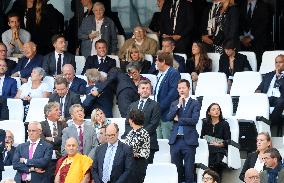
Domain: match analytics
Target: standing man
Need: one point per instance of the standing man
(15, 37)
(151, 111)
(31, 158)
(113, 160)
(165, 91)
(3, 57)
(54, 61)
(184, 137)
(8, 85)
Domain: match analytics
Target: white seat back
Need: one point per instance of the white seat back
(82, 77)
(36, 112)
(202, 152)
(215, 57)
(116, 58)
(245, 83)
(8, 173)
(50, 81)
(251, 58)
(149, 58)
(182, 55)
(268, 61)
(152, 78)
(120, 41)
(14, 59)
(164, 145)
(80, 64)
(121, 125)
(17, 128)
(16, 109)
(161, 172)
(18, 81)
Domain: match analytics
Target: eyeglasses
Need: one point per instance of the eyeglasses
(253, 178)
(32, 131)
(206, 178)
(111, 135)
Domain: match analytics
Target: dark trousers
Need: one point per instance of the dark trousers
(139, 170)
(180, 152)
(278, 104)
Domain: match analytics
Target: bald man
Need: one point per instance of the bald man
(26, 64)
(76, 85)
(252, 176)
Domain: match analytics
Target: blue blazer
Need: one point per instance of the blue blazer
(9, 89)
(41, 158)
(92, 62)
(168, 91)
(122, 163)
(188, 118)
(265, 83)
(78, 86)
(25, 72)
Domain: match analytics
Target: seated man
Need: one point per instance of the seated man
(3, 57)
(9, 85)
(76, 85)
(9, 150)
(104, 101)
(73, 167)
(26, 64)
(54, 61)
(145, 44)
(251, 176)
(102, 138)
(101, 61)
(15, 37)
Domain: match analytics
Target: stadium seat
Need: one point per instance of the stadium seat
(268, 61)
(17, 128)
(251, 58)
(201, 158)
(163, 155)
(121, 125)
(115, 57)
(182, 55)
(161, 172)
(187, 76)
(120, 41)
(50, 81)
(149, 58)
(8, 173)
(16, 109)
(211, 84)
(36, 112)
(80, 64)
(18, 81)
(152, 78)
(215, 57)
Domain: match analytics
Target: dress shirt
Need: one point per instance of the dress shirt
(160, 76)
(50, 123)
(258, 165)
(115, 145)
(29, 175)
(100, 58)
(1, 84)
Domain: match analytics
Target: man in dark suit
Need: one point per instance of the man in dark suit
(9, 85)
(52, 132)
(165, 91)
(100, 61)
(26, 64)
(2, 146)
(104, 101)
(255, 22)
(76, 85)
(9, 150)
(3, 56)
(273, 85)
(31, 158)
(184, 137)
(151, 111)
(64, 96)
(113, 160)
(54, 61)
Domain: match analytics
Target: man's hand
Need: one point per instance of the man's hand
(95, 93)
(206, 39)
(246, 41)
(176, 118)
(176, 37)
(39, 170)
(8, 146)
(22, 160)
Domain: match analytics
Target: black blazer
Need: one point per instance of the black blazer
(121, 167)
(92, 62)
(49, 62)
(151, 111)
(190, 67)
(78, 86)
(240, 64)
(11, 66)
(9, 158)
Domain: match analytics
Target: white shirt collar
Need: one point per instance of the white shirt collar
(115, 144)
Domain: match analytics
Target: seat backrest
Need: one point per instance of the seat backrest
(152, 78)
(268, 61)
(182, 55)
(164, 145)
(202, 152)
(234, 128)
(149, 58)
(14, 59)
(18, 81)
(80, 64)
(17, 128)
(161, 172)
(245, 83)
(251, 58)
(16, 109)
(82, 77)
(8, 173)
(215, 57)
(50, 81)
(121, 125)
(120, 41)
(36, 109)
(225, 102)
(211, 84)
(116, 58)
(253, 105)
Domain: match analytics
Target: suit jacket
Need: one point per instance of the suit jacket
(187, 118)
(180, 60)
(108, 33)
(92, 62)
(168, 91)
(26, 71)
(280, 177)
(240, 64)
(89, 137)
(11, 66)
(41, 157)
(71, 98)
(78, 86)
(49, 63)
(9, 88)
(151, 111)
(190, 67)
(121, 167)
(9, 157)
(2, 146)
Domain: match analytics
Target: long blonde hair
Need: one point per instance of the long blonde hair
(38, 10)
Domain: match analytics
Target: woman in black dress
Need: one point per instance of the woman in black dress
(216, 130)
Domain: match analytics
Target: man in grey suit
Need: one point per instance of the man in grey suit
(151, 111)
(79, 129)
(54, 61)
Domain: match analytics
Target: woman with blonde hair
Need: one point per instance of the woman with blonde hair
(99, 119)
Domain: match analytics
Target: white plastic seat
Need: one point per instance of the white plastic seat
(80, 64)
(50, 81)
(268, 61)
(211, 84)
(201, 158)
(120, 40)
(251, 58)
(18, 81)
(121, 125)
(149, 58)
(187, 76)
(36, 112)
(152, 78)
(8, 173)
(17, 128)
(215, 57)
(116, 58)
(14, 59)
(245, 83)
(16, 109)
(161, 172)
(182, 55)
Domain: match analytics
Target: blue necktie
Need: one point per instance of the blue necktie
(106, 166)
(157, 86)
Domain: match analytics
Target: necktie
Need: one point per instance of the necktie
(141, 105)
(55, 131)
(248, 19)
(24, 175)
(59, 64)
(81, 139)
(173, 12)
(106, 166)
(102, 60)
(61, 106)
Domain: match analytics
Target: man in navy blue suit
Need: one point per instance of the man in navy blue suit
(8, 85)
(31, 158)
(184, 137)
(3, 56)
(76, 85)
(165, 91)
(26, 64)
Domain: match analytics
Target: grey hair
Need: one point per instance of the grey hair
(71, 109)
(49, 106)
(100, 5)
(40, 71)
(93, 75)
(36, 123)
(133, 65)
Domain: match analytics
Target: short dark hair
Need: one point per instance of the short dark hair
(144, 82)
(13, 14)
(274, 153)
(165, 57)
(169, 39)
(230, 44)
(101, 41)
(61, 80)
(184, 81)
(136, 116)
(56, 37)
(213, 174)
